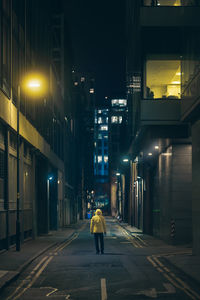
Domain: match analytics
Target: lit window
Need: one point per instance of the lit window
(104, 127)
(100, 120)
(163, 79)
(75, 83)
(82, 79)
(91, 91)
(114, 119)
(122, 102)
(99, 111)
(99, 159)
(105, 159)
(119, 102)
(120, 119)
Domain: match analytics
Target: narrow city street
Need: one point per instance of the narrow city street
(134, 266)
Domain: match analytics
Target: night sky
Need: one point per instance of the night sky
(97, 29)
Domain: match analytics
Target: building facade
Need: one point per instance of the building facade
(101, 158)
(32, 40)
(161, 61)
(117, 142)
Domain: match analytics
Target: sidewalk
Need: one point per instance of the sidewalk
(185, 261)
(12, 263)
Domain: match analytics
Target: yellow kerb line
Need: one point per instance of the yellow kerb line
(135, 243)
(132, 238)
(185, 288)
(40, 271)
(24, 281)
(68, 242)
(141, 240)
(34, 278)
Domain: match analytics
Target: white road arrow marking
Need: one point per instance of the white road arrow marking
(149, 293)
(153, 293)
(170, 289)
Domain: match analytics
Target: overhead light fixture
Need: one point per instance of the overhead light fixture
(176, 82)
(166, 154)
(156, 147)
(118, 174)
(150, 154)
(125, 160)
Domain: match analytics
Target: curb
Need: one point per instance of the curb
(14, 274)
(192, 278)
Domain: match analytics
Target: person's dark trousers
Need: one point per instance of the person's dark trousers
(98, 237)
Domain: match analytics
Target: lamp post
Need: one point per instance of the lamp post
(126, 181)
(33, 84)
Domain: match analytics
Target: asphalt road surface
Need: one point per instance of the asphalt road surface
(132, 267)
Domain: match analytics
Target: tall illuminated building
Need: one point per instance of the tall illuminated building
(101, 158)
(101, 131)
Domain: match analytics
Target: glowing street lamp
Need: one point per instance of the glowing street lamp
(125, 160)
(33, 85)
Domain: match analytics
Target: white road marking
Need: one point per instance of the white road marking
(153, 293)
(149, 293)
(103, 289)
(170, 289)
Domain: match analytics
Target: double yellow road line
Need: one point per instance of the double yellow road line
(38, 269)
(171, 277)
(135, 240)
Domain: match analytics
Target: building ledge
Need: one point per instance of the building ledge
(179, 16)
(160, 112)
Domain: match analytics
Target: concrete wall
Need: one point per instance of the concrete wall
(196, 186)
(181, 179)
(172, 201)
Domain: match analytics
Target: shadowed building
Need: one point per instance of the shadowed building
(162, 62)
(33, 39)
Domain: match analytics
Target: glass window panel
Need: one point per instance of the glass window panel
(105, 127)
(105, 158)
(100, 120)
(99, 159)
(163, 79)
(119, 102)
(114, 119)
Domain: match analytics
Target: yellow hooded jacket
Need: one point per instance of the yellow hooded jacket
(98, 224)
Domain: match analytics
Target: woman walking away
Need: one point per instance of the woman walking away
(98, 228)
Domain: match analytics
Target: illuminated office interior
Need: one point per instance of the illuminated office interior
(162, 79)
